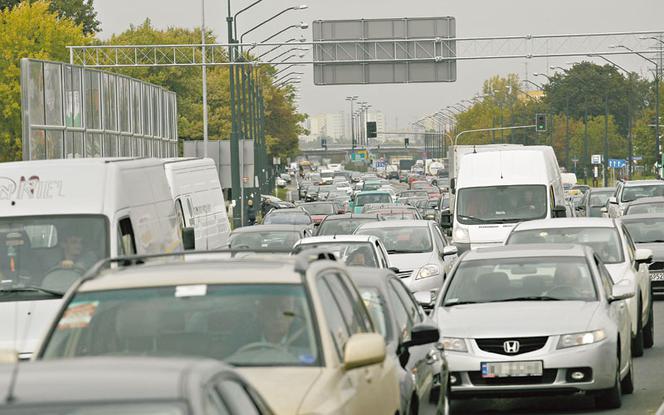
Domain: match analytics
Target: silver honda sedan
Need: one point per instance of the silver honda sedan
(536, 319)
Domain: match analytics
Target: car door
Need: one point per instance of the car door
(422, 357)
(642, 274)
(614, 208)
(439, 244)
(617, 310)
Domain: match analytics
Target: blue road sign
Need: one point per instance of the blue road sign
(617, 163)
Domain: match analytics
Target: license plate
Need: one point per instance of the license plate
(657, 276)
(512, 369)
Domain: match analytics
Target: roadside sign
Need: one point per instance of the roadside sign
(617, 163)
(596, 159)
(245, 179)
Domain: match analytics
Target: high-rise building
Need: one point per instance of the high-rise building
(330, 125)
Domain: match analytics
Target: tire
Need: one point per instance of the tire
(610, 398)
(627, 384)
(637, 341)
(649, 330)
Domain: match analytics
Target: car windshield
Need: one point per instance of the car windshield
(376, 307)
(241, 324)
(650, 208)
(48, 253)
(501, 204)
(356, 254)
(414, 193)
(341, 227)
(599, 199)
(605, 241)
(262, 240)
(402, 240)
(363, 199)
(282, 218)
(631, 193)
(521, 279)
(319, 208)
(646, 230)
(105, 408)
(398, 214)
(371, 186)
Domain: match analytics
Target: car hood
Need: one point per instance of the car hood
(409, 262)
(489, 233)
(657, 249)
(284, 389)
(515, 319)
(25, 323)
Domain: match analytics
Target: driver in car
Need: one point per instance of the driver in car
(73, 255)
(276, 315)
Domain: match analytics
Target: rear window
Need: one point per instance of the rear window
(363, 199)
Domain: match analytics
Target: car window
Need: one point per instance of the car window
(629, 245)
(411, 306)
(404, 324)
(438, 239)
(213, 403)
(605, 277)
(335, 321)
(348, 304)
(237, 398)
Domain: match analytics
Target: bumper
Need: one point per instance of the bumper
(557, 364)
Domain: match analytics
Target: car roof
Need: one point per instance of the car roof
(565, 223)
(346, 216)
(287, 211)
(527, 251)
(108, 379)
(337, 238)
(374, 192)
(640, 217)
(646, 200)
(198, 269)
(269, 228)
(602, 189)
(643, 182)
(395, 224)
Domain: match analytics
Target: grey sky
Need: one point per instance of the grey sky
(407, 102)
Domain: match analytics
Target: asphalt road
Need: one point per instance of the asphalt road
(646, 399)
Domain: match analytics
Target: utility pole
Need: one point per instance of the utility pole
(606, 140)
(235, 142)
(204, 67)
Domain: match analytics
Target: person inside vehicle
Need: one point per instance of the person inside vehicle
(276, 316)
(76, 260)
(361, 257)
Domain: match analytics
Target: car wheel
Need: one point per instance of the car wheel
(637, 341)
(649, 331)
(610, 398)
(627, 384)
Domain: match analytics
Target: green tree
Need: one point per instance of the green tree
(80, 11)
(27, 30)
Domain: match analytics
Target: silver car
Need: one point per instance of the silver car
(353, 250)
(419, 252)
(536, 319)
(615, 247)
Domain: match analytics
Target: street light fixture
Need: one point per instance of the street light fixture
(302, 7)
(289, 51)
(287, 75)
(301, 39)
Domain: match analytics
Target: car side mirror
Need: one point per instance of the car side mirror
(394, 269)
(421, 334)
(613, 200)
(450, 250)
(426, 299)
(604, 209)
(643, 256)
(559, 212)
(621, 292)
(446, 219)
(189, 239)
(364, 349)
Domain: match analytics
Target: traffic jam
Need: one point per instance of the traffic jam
(487, 275)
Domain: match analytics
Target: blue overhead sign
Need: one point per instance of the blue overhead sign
(617, 163)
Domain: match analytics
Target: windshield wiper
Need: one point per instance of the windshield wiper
(471, 218)
(530, 298)
(401, 251)
(453, 303)
(651, 242)
(33, 289)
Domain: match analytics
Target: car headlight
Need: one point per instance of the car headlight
(461, 235)
(427, 271)
(580, 339)
(453, 344)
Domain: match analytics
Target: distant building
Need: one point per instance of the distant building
(330, 125)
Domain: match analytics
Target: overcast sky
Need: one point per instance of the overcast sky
(407, 102)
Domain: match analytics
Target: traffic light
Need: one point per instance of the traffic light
(372, 130)
(323, 143)
(406, 141)
(540, 123)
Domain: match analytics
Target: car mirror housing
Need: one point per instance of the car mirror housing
(188, 239)
(421, 334)
(613, 200)
(364, 349)
(621, 292)
(450, 250)
(643, 256)
(559, 212)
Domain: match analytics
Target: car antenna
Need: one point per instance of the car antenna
(501, 164)
(12, 384)
(474, 149)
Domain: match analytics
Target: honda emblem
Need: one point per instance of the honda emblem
(511, 346)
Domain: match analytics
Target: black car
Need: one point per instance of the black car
(345, 224)
(119, 385)
(411, 338)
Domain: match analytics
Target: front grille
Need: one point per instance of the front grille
(404, 274)
(656, 266)
(526, 344)
(548, 377)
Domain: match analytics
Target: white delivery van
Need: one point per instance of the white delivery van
(497, 189)
(58, 218)
(199, 202)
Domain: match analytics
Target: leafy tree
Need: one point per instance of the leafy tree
(82, 12)
(27, 30)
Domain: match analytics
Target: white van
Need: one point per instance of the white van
(199, 202)
(497, 189)
(58, 218)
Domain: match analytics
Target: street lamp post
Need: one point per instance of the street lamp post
(302, 25)
(657, 80)
(352, 99)
(291, 40)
